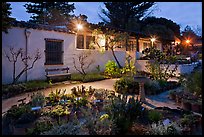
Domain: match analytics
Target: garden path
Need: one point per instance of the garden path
(152, 101)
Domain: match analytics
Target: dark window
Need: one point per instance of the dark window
(80, 41)
(53, 52)
(88, 41)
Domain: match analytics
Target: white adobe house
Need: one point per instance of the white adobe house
(57, 46)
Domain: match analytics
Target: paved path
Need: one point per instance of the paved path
(106, 84)
(152, 101)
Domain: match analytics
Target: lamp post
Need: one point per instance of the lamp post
(152, 40)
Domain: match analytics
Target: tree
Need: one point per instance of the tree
(120, 13)
(14, 58)
(112, 40)
(52, 13)
(84, 62)
(6, 20)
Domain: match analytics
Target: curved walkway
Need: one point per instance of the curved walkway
(151, 101)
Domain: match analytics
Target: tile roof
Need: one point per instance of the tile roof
(23, 24)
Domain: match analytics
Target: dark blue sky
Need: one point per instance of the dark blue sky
(183, 13)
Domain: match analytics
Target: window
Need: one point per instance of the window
(146, 45)
(80, 41)
(88, 41)
(53, 52)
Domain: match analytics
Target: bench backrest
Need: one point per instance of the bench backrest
(57, 69)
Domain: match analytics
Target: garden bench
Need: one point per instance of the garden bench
(53, 76)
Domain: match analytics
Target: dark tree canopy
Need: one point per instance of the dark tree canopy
(169, 24)
(119, 13)
(5, 16)
(52, 13)
(189, 34)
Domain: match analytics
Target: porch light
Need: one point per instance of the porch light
(79, 27)
(153, 40)
(187, 41)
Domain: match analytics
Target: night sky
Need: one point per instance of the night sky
(183, 13)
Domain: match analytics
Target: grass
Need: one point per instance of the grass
(90, 77)
(15, 89)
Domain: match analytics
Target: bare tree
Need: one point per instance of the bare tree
(13, 57)
(83, 62)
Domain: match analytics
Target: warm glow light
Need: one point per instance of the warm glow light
(152, 39)
(79, 26)
(187, 41)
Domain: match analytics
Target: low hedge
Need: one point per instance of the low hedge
(88, 78)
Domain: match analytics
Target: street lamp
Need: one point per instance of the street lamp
(152, 40)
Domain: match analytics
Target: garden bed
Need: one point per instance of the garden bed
(87, 111)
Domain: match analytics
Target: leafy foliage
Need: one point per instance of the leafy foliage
(126, 85)
(6, 20)
(111, 69)
(154, 115)
(161, 129)
(38, 99)
(116, 17)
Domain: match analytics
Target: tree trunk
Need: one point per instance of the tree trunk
(14, 72)
(116, 58)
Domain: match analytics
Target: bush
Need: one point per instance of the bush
(88, 77)
(168, 129)
(152, 87)
(193, 83)
(126, 85)
(15, 112)
(124, 113)
(112, 70)
(154, 115)
(15, 89)
(38, 99)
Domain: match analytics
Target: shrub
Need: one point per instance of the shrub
(88, 77)
(168, 129)
(41, 125)
(123, 113)
(193, 83)
(126, 85)
(15, 112)
(154, 115)
(152, 87)
(38, 99)
(112, 70)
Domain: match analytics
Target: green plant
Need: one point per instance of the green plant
(129, 69)
(98, 124)
(89, 77)
(165, 129)
(26, 118)
(123, 112)
(38, 99)
(73, 127)
(15, 112)
(152, 87)
(188, 120)
(193, 83)
(55, 97)
(112, 70)
(125, 85)
(41, 125)
(154, 116)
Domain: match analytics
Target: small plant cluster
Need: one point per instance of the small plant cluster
(113, 71)
(89, 77)
(126, 85)
(15, 89)
(165, 129)
(124, 111)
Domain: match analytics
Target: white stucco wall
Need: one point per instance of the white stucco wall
(16, 38)
(182, 68)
